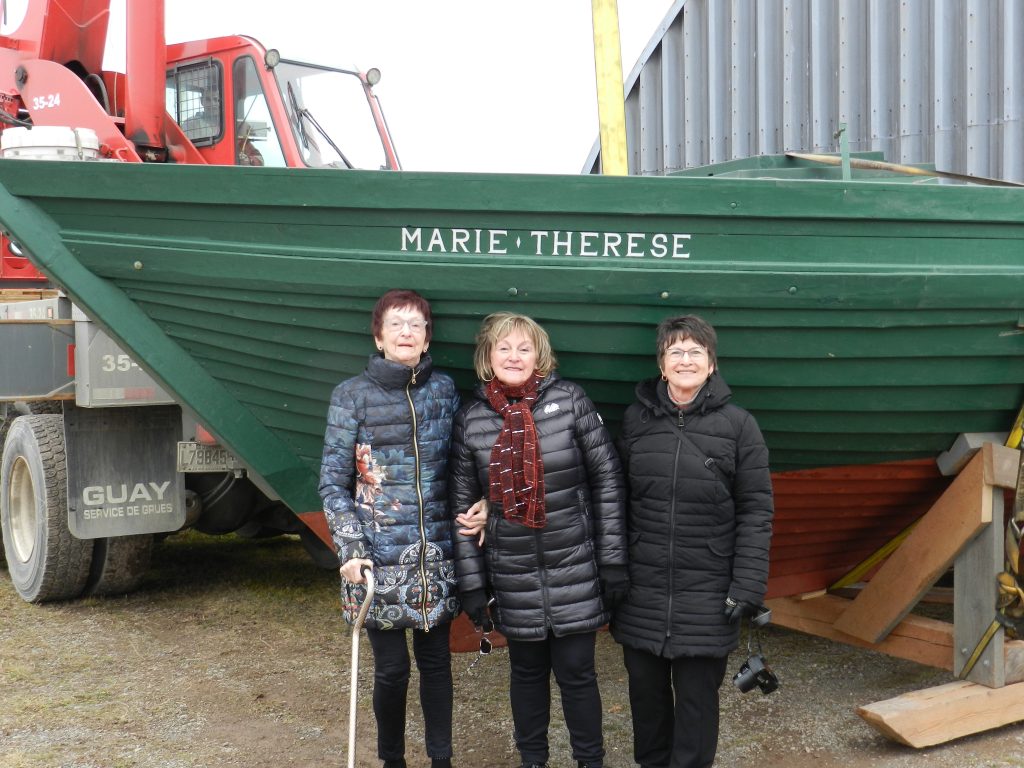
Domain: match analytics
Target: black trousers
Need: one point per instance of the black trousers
(571, 658)
(675, 708)
(391, 684)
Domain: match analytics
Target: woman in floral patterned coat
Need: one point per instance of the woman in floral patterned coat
(384, 484)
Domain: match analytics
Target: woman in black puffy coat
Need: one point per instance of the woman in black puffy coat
(554, 553)
(384, 485)
(700, 522)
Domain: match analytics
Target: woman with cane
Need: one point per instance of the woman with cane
(383, 480)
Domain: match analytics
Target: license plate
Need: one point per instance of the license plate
(197, 457)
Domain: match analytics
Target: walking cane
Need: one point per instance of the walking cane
(356, 626)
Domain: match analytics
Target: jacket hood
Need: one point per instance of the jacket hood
(392, 375)
(653, 394)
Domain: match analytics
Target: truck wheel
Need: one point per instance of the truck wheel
(118, 564)
(44, 560)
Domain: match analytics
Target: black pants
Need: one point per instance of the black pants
(572, 660)
(391, 684)
(675, 708)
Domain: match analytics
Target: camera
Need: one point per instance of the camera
(755, 672)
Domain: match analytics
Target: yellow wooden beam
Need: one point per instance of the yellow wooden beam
(611, 106)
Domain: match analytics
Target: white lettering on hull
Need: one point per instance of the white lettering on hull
(551, 243)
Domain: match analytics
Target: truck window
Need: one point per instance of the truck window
(256, 140)
(194, 97)
(330, 116)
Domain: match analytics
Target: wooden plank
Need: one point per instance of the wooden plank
(975, 592)
(959, 514)
(926, 641)
(946, 712)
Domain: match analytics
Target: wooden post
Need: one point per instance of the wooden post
(974, 597)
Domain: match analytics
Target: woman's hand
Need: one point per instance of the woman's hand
(352, 571)
(474, 520)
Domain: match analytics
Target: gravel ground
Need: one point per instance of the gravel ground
(233, 653)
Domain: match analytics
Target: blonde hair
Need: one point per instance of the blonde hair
(496, 327)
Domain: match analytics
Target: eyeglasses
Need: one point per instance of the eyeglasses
(696, 354)
(416, 326)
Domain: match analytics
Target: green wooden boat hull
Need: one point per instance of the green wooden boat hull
(862, 322)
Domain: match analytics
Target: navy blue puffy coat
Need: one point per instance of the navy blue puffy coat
(384, 484)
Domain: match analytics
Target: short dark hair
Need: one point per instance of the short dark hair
(399, 298)
(673, 329)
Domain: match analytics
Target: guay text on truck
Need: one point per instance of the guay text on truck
(107, 501)
(547, 242)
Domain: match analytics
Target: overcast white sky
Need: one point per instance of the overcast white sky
(468, 85)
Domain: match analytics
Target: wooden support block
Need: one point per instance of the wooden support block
(946, 712)
(963, 449)
(926, 641)
(916, 638)
(1002, 465)
(956, 518)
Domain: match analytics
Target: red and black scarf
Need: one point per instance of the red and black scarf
(517, 470)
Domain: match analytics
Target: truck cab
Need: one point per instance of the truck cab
(97, 457)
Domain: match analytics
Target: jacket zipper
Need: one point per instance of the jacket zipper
(419, 496)
(542, 572)
(672, 534)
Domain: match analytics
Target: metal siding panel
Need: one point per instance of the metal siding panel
(915, 20)
(922, 81)
(1012, 108)
(719, 84)
(695, 72)
(823, 75)
(854, 91)
(796, 100)
(769, 77)
(947, 37)
(744, 82)
(649, 129)
(882, 35)
(672, 97)
(979, 84)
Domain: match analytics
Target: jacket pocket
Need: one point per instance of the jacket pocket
(588, 522)
(724, 545)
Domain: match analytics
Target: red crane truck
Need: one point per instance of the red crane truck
(118, 460)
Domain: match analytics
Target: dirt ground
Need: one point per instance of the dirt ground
(233, 653)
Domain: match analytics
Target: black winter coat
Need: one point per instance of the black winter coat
(384, 484)
(543, 579)
(699, 525)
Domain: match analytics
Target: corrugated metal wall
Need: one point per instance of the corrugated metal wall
(921, 80)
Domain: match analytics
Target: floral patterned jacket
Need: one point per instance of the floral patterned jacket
(383, 480)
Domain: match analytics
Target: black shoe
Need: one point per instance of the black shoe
(440, 762)
(534, 765)
(400, 763)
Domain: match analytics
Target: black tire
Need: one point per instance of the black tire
(118, 564)
(44, 560)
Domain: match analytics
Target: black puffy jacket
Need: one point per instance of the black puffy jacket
(547, 578)
(383, 480)
(699, 525)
